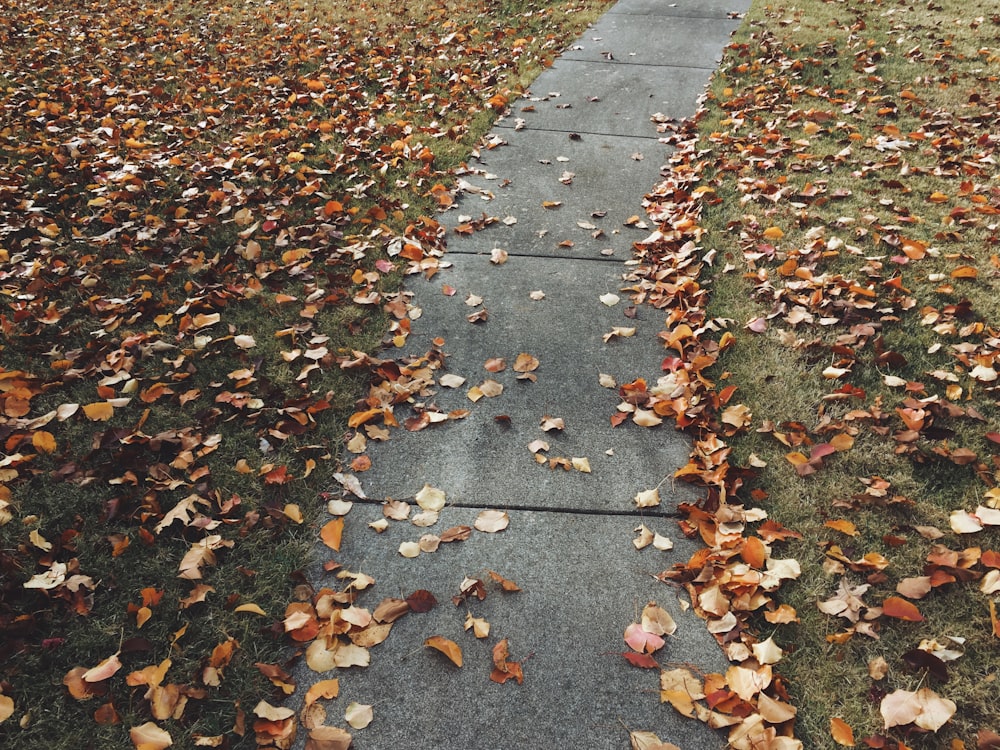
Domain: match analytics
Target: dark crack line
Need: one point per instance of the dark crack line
(637, 513)
(507, 126)
(602, 259)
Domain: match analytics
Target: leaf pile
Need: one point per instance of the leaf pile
(842, 177)
(204, 214)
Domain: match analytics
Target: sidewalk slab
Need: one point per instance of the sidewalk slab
(689, 8)
(528, 171)
(630, 39)
(485, 462)
(569, 543)
(606, 98)
(582, 583)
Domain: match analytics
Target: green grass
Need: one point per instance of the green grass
(858, 72)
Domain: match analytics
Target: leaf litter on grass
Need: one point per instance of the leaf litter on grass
(836, 195)
(204, 214)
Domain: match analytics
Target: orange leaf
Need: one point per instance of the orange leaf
(841, 732)
(100, 411)
(842, 442)
(754, 553)
(331, 533)
(773, 233)
(843, 526)
(901, 609)
(964, 272)
(43, 441)
(322, 689)
(446, 647)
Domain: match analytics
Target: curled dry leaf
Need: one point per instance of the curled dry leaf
(619, 332)
(647, 498)
(447, 647)
(645, 537)
(478, 625)
(648, 741)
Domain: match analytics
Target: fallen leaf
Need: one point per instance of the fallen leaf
(492, 521)
(841, 732)
(924, 708)
(447, 647)
(899, 608)
(430, 498)
(359, 715)
(328, 738)
(322, 689)
(149, 736)
(647, 498)
(479, 626)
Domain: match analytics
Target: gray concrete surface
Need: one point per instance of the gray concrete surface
(569, 541)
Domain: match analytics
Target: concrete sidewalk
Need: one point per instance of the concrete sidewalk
(569, 542)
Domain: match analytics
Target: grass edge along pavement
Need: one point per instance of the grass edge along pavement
(868, 433)
(121, 652)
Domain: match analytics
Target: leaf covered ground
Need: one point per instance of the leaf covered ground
(205, 212)
(827, 260)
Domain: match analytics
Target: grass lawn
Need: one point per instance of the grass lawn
(205, 213)
(838, 197)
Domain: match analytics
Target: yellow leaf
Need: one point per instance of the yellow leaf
(6, 708)
(44, 441)
(100, 411)
(773, 233)
(843, 526)
(252, 608)
(293, 513)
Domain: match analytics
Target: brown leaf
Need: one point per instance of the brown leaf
(505, 584)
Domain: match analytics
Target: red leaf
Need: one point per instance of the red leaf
(421, 601)
(644, 661)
